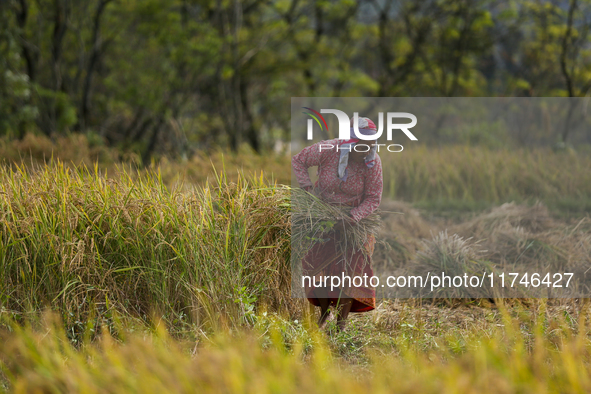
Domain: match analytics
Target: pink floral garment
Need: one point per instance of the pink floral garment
(362, 189)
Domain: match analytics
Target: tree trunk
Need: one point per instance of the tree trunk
(94, 57)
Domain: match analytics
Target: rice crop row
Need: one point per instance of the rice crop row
(451, 175)
(478, 174)
(89, 246)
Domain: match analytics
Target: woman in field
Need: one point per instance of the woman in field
(345, 177)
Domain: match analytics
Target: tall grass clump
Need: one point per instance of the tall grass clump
(88, 246)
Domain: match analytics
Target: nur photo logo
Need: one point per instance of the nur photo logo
(348, 131)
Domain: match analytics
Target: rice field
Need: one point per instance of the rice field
(456, 178)
(176, 277)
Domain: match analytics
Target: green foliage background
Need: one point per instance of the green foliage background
(173, 77)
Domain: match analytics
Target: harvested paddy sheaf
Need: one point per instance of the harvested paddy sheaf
(533, 219)
(455, 256)
(529, 237)
(514, 234)
(312, 219)
(403, 229)
(509, 238)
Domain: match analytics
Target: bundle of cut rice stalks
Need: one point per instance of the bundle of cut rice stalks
(313, 220)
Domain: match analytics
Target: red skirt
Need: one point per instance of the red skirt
(325, 260)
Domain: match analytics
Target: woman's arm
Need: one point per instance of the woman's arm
(374, 185)
(310, 156)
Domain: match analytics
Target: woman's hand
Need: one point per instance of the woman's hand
(312, 190)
